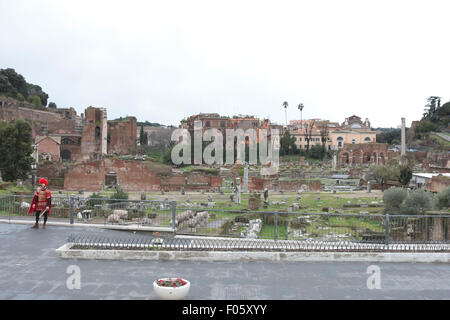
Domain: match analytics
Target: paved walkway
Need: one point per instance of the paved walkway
(29, 269)
(443, 135)
(59, 222)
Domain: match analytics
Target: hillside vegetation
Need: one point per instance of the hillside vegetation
(15, 86)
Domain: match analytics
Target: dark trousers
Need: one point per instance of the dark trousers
(38, 213)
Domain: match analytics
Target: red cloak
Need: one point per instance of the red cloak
(33, 204)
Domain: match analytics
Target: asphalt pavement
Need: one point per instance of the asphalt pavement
(29, 269)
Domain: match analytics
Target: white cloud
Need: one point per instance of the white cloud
(162, 61)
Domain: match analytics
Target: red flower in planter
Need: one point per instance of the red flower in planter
(171, 282)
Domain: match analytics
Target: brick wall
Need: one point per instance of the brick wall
(40, 120)
(48, 145)
(53, 172)
(438, 183)
(133, 176)
(122, 136)
(91, 139)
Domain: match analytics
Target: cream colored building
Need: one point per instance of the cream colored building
(352, 131)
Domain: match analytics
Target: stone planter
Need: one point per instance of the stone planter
(171, 293)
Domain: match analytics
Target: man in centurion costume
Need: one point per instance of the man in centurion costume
(42, 203)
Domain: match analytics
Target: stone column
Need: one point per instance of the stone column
(245, 183)
(238, 191)
(403, 151)
(334, 162)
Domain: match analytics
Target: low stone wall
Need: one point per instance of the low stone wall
(259, 184)
(438, 184)
(65, 252)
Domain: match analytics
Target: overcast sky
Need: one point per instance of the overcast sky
(162, 61)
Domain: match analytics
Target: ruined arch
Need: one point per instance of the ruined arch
(367, 157)
(97, 133)
(374, 157)
(381, 158)
(356, 157)
(345, 158)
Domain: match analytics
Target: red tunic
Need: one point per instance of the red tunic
(40, 201)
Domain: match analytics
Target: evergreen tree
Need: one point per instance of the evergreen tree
(287, 144)
(143, 138)
(405, 175)
(15, 150)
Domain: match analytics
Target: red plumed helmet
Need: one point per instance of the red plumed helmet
(43, 181)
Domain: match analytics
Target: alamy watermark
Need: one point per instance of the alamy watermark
(374, 280)
(260, 148)
(74, 280)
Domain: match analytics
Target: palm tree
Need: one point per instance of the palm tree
(285, 104)
(300, 107)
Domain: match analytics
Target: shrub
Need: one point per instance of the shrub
(393, 199)
(94, 199)
(317, 152)
(424, 127)
(119, 194)
(417, 202)
(443, 198)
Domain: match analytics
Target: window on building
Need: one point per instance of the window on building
(97, 133)
(207, 124)
(65, 155)
(353, 141)
(367, 139)
(299, 139)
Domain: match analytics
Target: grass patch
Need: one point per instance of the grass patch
(268, 232)
(442, 142)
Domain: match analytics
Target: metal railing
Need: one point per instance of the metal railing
(94, 210)
(83, 241)
(204, 220)
(318, 227)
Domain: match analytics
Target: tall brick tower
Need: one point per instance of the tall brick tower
(94, 136)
